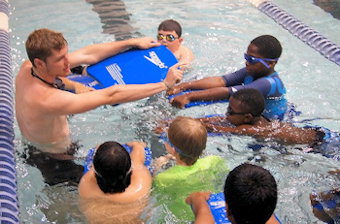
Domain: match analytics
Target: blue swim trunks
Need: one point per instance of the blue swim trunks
(327, 143)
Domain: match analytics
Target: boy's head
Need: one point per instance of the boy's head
(251, 194)
(112, 165)
(268, 46)
(188, 137)
(169, 34)
(244, 106)
(262, 55)
(40, 44)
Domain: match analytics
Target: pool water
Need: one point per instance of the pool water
(218, 32)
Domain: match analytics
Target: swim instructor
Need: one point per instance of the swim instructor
(42, 108)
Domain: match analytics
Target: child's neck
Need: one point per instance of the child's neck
(180, 162)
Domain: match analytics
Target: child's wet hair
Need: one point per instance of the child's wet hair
(171, 25)
(268, 46)
(188, 135)
(112, 164)
(252, 101)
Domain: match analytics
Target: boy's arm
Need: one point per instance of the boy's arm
(159, 162)
(186, 56)
(212, 119)
(241, 129)
(217, 93)
(206, 83)
(200, 207)
(75, 86)
(137, 154)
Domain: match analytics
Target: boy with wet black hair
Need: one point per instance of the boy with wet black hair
(169, 35)
(117, 187)
(261, 57)
(250, 194)
(245, 114)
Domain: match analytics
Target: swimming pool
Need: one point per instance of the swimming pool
(218, 32)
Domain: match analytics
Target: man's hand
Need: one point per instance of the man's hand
(174, 75)
(145, 42)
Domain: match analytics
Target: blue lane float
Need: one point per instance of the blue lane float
(314, 39)
(9, 210)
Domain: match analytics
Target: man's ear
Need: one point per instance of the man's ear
(229, 215)
(38, 63)
(248, 118)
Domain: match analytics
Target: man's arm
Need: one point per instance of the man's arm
(206, 83)
(65, 103)
(200, 207)
(217, 93)
(97, 52)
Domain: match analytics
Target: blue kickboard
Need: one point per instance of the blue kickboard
(197, 103)
(216, 203)
(134, 66)
(147, 162)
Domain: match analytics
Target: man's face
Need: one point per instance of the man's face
(173, 44)
(58, 63)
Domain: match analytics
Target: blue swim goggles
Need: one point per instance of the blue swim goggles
(253, 60)
(177, 149)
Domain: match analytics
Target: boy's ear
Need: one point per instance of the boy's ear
(271, 63)
(248, 118)
(172, 151)
(229, 215)
(180, 39)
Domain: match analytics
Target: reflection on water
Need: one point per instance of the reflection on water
(116, 19)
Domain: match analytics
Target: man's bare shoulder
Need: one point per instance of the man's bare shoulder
(25, 68)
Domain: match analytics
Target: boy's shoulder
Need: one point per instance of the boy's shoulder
(184, 54)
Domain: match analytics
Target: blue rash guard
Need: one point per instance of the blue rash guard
(270, 86)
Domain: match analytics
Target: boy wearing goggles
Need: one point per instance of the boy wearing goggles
(261, 57)
(169, 35)
(186, 141)
(245, 113)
